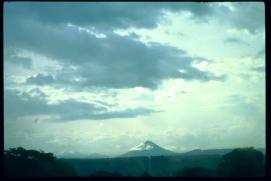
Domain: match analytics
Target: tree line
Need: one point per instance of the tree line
(239, 162)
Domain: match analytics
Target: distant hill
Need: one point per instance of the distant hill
(81, 155)
(263, 150)
(148, 148)
(213, 151)
(207, 152)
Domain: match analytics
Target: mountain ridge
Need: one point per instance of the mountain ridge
(149, 148)
(218, 151)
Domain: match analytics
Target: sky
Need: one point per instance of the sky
(102, 77)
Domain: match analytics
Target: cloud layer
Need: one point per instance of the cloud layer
(127, 62)
(116, 61)
(24, 105)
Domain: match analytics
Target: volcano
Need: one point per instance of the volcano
(148, 148)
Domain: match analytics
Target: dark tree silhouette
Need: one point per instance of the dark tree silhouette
(242, 162)
(22, 162)
(145, 174)
(195, 172)
(105, 174)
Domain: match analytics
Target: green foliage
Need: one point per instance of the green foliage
(242, 162)
(22, 162)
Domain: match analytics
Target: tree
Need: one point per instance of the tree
(242, 162)
(105, 174)
(195, 172)
(22, 162)
(145, 174)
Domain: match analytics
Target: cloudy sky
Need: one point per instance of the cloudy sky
(104, 77)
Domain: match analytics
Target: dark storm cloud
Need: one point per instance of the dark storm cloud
(192, 73)
(112, 15)
(103, 15)
(115, 61)
(248, 16)
(128, 113)
(259, 69)
(235, 40)
(11, 57)
(112, 62)
(134, 35)
(40, 79)
(245, 16)
(24, 62)
(19, 105)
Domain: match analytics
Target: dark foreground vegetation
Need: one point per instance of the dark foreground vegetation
(239, 162)
(22, 162)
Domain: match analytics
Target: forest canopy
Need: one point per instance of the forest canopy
(239, 162)
(22, 162)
